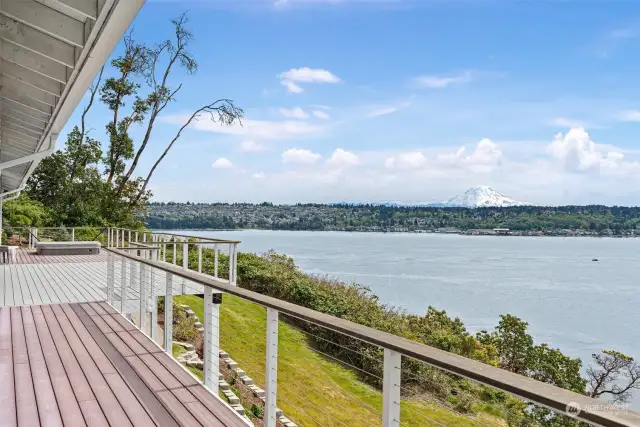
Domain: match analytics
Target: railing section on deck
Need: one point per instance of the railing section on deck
(317, 369)
(266, 337)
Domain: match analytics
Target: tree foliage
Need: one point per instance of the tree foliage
(91, 182)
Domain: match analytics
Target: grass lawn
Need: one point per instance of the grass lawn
(313, 389)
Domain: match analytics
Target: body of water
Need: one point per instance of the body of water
(569, 301)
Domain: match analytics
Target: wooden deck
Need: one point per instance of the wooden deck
(86, 365)
(43, 279)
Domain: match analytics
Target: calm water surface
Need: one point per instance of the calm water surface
(570, 302)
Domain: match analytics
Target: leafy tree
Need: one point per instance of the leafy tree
(93, 183)
(614, 375)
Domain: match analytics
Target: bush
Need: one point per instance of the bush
(257, 411)
(184, 328)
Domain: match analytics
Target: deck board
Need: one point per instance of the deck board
(43, 279)
(78, 365)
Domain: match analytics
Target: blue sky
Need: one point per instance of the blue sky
(402, 100)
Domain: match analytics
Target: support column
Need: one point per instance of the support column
(110, 278)
(153, 299)
(143, 296)
(123, 283)
(185, 262)
(211, 339)
(391, 389)
(168, 315)
(215, 260)
(271, 377)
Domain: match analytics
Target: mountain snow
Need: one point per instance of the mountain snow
(482, 196)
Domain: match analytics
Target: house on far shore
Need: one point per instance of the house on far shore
(501, 231)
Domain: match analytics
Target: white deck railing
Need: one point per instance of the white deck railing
(396, 367)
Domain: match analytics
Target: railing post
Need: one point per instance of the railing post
(123, 283)
(215, 260)
(143, 296)
(232, 269)
(122, 238)
(154, 299)
(211, 341)
(163, 244)
(73, 234)
(391, 389)
(136, 237)
(185, 262)
(110, 278)
(144, 237)
(185, 254)
(117, 240)
(271, 377)
(168, 314)
(129, 238)
(199, 256)
(175, 248)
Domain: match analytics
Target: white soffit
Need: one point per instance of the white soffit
(50, 52)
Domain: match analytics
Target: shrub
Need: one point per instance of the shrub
(184, 328)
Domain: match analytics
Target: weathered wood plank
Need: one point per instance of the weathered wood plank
(93, 414)
(178, 409)
(46, 400)
(77, 379)
(7, 391)
(68, 405)
(108, 402)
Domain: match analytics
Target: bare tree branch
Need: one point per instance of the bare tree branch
(93, 89)
(222, 111)
(161, 95)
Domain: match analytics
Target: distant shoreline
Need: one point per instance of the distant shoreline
(470, 233)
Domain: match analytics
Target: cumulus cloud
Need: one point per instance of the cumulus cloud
(341, 158)
(440, 82)
(486, 156)
(320, 114)
(578, 153)
(222, 163)
(250, 146)
(299, 155)
(408, 160)
(259, 175)
(293, 76)
(294, 113)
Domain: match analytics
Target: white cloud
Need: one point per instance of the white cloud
(630, 116)
(408, 160)
(250, 146)
(299, 155)
(320, 114)
(259, 175)
(578, 153)
(566, 122)
(484, 159)
(309, 75)
(222, 163)
(439, 82)
(293, 76)
(291, 86)
(382, 111)
(254, 129)
(294, 113)
(341, 158)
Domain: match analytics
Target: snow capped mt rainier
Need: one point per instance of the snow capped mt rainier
(482, 196)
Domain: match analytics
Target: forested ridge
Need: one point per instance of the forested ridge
(593, 219)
